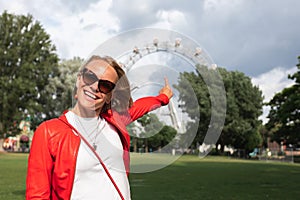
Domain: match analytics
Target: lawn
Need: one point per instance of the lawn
(12, 175)
(192, 178)
(188, 178)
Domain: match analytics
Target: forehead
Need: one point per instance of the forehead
(102, 69)
(94, 64)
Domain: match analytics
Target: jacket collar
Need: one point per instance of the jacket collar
(113, 119)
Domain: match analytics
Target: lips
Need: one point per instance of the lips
(91, 95)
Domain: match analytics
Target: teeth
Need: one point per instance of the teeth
(90, 95)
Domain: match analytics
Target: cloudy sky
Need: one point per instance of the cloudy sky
(257, 37)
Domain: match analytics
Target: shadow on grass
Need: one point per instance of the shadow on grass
(19, 193)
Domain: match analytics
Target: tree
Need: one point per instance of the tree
(61, 88)
(151, 126)
(189, 83)
(153, 133)
(284, 116)
(243, 107)
(27, 61)
(163, 138)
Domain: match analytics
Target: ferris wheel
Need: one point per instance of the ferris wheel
(193, 55)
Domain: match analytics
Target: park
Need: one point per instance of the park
(231, 153)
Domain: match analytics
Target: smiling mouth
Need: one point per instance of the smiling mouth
(91, 95)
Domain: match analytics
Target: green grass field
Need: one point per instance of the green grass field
(188, 178)
(12, 176)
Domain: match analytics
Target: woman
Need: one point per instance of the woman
(84, 154)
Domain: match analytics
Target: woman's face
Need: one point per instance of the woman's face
(89, 97)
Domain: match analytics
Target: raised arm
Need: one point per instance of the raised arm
(144, 105)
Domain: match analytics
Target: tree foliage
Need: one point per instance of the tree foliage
(284, 116)
(153, 134)
(243, 107)
(190, 83)
(60, 89)
(27, 61)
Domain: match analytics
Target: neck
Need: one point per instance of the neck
(81, 112)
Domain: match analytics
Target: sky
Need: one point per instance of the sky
(257, 37)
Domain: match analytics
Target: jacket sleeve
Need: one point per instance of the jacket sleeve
(40, 163)
(144, 105)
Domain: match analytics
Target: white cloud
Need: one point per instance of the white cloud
(171, 16)
(271, 83)
(13, 6)
(79, 35)
(74, 34)
(221, 6)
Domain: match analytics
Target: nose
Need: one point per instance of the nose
(94, 87)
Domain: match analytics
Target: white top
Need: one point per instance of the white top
(91, 181)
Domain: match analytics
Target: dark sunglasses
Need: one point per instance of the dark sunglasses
(90, 77)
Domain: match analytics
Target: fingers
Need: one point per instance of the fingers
(167, 90)
(166, 81)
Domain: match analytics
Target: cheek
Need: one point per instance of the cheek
(80, 92)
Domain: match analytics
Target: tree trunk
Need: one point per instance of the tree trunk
(146, 145)
(135, 145)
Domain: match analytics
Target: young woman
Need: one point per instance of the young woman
(84, 154)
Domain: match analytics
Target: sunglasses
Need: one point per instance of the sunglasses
(90, 77)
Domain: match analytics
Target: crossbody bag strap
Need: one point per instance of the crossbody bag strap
(98, 157)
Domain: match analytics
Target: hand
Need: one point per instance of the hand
(166, 89)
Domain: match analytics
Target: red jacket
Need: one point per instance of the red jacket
(54, 148)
